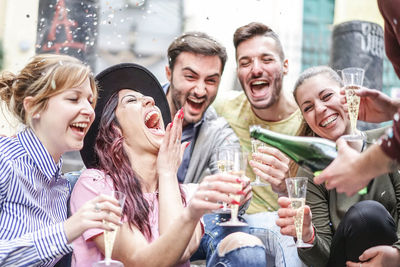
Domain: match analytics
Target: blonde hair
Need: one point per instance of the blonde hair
(314, 71)
(46, 75)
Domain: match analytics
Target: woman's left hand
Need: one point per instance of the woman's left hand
(247, 191)
(286, 220)
(171, 150)
(385, 256)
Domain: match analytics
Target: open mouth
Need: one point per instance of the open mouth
(259, 88)
(153, 123)
(79, 127)
(328, 121)
(196, 104)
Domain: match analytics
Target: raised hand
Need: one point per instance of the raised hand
(286, 220)
(375, 106)
(91, 215)
(214, 188)
(171, 150)
(272, 166)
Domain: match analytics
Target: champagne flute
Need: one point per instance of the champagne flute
(353, 80)
(109, 236)
(255, 144)
(297, 189)
(239, 160)
(224, 164)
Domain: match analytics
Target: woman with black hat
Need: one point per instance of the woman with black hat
(134, 154)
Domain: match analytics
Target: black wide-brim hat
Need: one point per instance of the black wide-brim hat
(114, 79)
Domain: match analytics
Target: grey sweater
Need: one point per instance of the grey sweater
(214, 132)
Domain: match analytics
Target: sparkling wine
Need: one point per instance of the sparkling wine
(353, 102)
(235, 208)
(109, 238)
(224, 165)
(298, 205)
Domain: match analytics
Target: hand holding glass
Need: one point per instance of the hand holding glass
(224, 164)
(297, 189)
(109, 236)
(255, 144)
(239, 164)
(353, 80)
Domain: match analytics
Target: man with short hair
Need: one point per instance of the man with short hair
(261, 66)
(196, 62)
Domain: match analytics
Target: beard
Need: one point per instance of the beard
(273, 98)
(179, 100)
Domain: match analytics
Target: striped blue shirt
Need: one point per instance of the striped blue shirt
(33, 203)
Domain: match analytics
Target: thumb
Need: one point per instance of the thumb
(341, 144)
(369, 253)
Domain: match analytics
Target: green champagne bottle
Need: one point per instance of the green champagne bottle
(312, 153)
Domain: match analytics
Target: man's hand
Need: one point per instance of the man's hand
(337, 174)
(272, 166)
(351, 170)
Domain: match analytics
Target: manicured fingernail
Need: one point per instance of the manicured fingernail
(234, 202)
(172, 123)
(188, 144)
(222, 206)
(241, 192)
(239, 180)
(180, 113)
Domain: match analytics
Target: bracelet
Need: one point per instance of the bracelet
(311, 241)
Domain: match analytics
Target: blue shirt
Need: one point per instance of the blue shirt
(33, 203)
(189, 134)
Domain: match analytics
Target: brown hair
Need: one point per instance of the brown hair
(197, 43)
(253, 29)
(114, 161)
(44, 76)
(314, 71)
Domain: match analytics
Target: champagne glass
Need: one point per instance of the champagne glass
(239, 160)
(353, 80)
(224, 164)
(297, 189)
(255, 144)
(109, 236)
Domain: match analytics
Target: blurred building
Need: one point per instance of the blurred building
(140, 31)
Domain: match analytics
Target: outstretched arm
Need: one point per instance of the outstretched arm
(361, 167)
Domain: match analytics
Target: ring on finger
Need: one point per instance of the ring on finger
(97, 207)
(177, 140)
(206, 198)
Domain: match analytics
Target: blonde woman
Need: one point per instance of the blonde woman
(54, 96)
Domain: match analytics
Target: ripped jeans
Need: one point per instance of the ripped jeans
(214, 234)
(278, 247)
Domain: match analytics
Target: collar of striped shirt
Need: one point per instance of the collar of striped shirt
(39, 154)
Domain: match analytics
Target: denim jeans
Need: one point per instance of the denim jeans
(253, 256)
(277, 248)
(214, 233)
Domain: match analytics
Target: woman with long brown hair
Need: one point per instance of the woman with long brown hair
(134, 154)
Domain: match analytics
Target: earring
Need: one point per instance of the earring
(36, 116)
